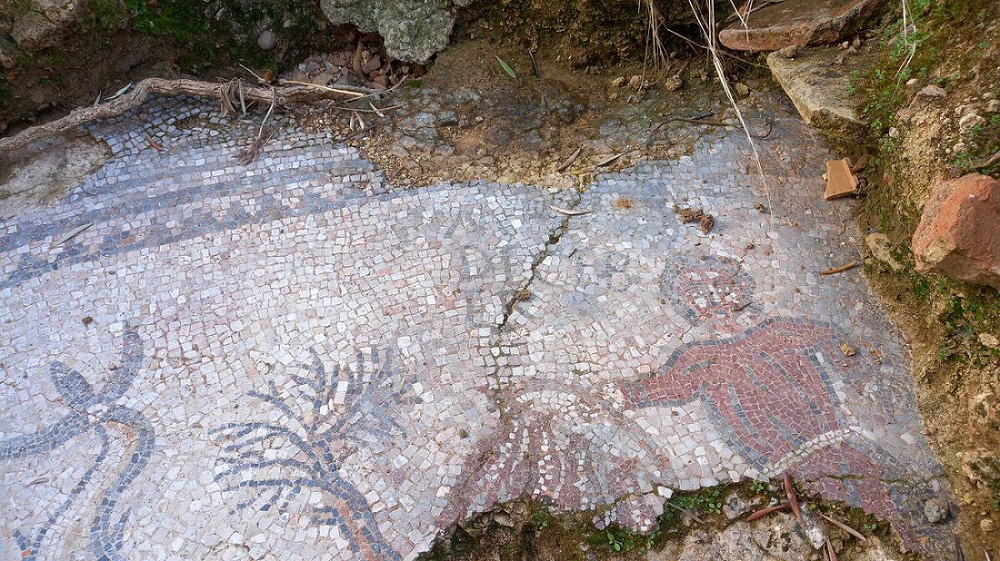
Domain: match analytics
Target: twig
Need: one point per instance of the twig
(700, 120)
(723, 53)
(255, 75)
(830, 552)
(654, 43)
(285, 95)
(569, 212)
(243, 101)
(250, 154)
(327, 88)
(839, 269)
(225, 97)
(992, 160)
(764, 512)
(844, 527)
(609, 160)
(707, 26)
(671, 119)
(686, 511)
(377, 110)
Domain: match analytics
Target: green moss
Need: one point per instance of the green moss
(936, 28)
(541, 517)
(108, 15)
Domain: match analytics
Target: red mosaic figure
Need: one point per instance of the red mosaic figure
(772, 391)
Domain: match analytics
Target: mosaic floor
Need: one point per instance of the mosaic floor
(295, 360)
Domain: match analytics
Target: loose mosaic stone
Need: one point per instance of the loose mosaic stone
(295, 357)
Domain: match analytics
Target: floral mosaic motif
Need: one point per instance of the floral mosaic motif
(558, 443)
(317, 420)
(706, 288)
(91, 410)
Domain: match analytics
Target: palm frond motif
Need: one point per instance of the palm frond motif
(318, 418)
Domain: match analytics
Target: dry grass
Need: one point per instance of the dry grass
(707, 22)
(655, 49)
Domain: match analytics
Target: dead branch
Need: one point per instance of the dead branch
(990, 161)
(251, 153)
(295, 93)
(839, 269)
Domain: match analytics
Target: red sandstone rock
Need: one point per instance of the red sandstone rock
(796, 22)
(959, 232)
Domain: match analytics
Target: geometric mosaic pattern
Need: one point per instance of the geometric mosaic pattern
(294, 357)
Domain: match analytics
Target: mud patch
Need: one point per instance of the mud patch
(553, 126)
(43, 173)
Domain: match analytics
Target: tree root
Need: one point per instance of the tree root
(286, 93)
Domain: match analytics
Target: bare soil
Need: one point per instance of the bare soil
(914, 143)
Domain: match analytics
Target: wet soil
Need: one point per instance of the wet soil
(468, 119)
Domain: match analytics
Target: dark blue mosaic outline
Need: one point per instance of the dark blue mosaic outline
(106, 533)
(367, 417)
(157, 234)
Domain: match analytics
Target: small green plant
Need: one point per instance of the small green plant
(921, 287)
(620, 540)
(757, 487)
(614, 542)
(541, 518)
(708, 500)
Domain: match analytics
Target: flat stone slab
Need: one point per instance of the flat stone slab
(819, 88)
(295, 360)
(796, 22)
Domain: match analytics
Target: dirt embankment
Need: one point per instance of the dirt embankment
(933, 105)
(58, 55)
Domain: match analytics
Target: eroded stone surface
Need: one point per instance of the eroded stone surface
(412, 30)
(295, 360)
(44, 173)
(819, 88)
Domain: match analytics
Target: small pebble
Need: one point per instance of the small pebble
(267, 40)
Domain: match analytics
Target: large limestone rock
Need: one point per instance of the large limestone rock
(959, 232)
(412, 30)
(39, 24)
(819, 88)
(796, 22)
